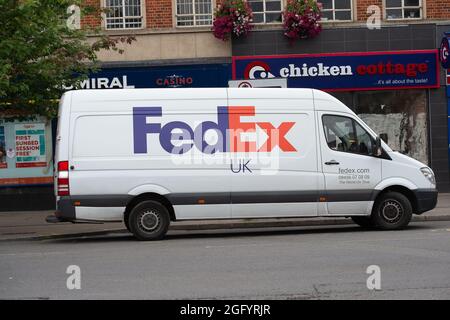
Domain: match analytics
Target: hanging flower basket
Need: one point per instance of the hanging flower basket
(232, 18)
(302, 19)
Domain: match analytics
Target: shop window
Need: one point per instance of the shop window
(399, 117)
(26, 152)
(403, 9)
(336, 10)
(193, 13)
(123, 14)
(266, 11)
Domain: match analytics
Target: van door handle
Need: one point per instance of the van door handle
(331, 163)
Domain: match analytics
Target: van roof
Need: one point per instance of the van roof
(187, 93)
(322, 99)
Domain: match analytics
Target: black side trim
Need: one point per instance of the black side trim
(66, 205)
(274, 196)
(194, 198)
(426, 199)
(102, 200)
(351, 195)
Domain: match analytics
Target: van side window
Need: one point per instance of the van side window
(346, 135)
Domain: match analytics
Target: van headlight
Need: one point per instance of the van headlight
(428, 173)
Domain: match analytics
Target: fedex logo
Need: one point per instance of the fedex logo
(179, 137)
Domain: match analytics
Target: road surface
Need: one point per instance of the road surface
(284, 263)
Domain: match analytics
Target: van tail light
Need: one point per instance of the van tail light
(63, 178)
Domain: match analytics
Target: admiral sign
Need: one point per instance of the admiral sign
(203, 75)
(345, 71)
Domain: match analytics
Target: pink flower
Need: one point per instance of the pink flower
(301, 19)
(231, 19)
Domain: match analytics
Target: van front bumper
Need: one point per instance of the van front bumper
(426, 200)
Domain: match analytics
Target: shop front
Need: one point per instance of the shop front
(388, 90)
(26, 164)
(26, 148)
(389, 76)
(187, 76)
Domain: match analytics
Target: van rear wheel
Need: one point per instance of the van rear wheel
(391, 211)
(364, 222)
(149, 220)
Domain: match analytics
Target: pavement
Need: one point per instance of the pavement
(31, 225)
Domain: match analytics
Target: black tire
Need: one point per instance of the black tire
(391, 211)
(149, 220)
(364, 222)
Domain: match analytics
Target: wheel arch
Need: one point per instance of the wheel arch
(408, 193)
(150, 196)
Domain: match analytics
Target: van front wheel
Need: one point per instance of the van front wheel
(149, 220)
(391, 211)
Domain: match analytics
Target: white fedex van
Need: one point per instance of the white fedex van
(152, 156)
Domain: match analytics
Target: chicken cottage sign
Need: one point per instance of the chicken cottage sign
(345, 71)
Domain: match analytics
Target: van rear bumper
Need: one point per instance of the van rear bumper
(426, 200)
(65, 211)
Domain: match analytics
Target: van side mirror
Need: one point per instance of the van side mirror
(377, 151)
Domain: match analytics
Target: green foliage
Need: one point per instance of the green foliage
(39, 54)
(230, 6)
(300, 6)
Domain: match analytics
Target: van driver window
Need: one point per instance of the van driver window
(346, 135)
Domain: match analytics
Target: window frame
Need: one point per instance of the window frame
(142, 16)
(352, 13)
(282, 3)
(373, 139)
(194, 25)
(421, 8)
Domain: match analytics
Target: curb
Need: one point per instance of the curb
(244, 224)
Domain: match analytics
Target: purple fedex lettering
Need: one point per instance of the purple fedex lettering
(166, 136)
(141, 128)
(220, 127)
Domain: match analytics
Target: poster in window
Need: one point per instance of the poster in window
(3, 163)
(30, 145)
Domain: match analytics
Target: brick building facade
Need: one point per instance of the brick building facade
(160, 14)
